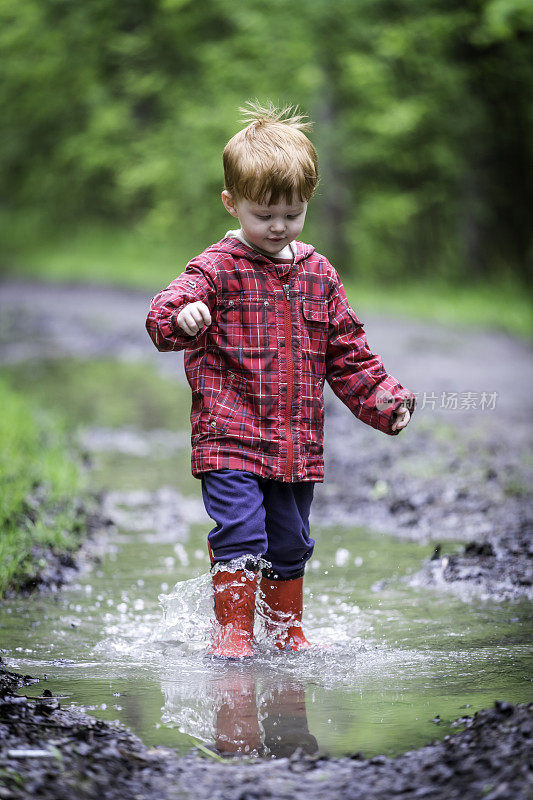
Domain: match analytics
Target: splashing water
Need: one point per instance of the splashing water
(187, 614)
(388, 656)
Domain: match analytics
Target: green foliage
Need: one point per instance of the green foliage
(98, 253)
(119, 112)
(39, 487)
(478, 303)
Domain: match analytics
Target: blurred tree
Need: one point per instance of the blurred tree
(119, 111)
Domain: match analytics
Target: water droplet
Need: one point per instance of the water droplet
(181, 553)
(341, 556)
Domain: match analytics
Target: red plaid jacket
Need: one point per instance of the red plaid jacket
(257, 373)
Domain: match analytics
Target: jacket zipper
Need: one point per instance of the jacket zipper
(288, 351)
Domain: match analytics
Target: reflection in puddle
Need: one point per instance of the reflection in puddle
(239, 708)
(241, 711)
(389, 665)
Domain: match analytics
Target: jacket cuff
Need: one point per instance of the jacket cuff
(178, 332)
(378, 409)
(408, 400)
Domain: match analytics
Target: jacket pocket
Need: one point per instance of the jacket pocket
(243, 322)
(315, 328)
(226, 404)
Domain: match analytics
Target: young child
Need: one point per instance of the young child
(264, 321)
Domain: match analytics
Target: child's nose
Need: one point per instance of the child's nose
(277, 225)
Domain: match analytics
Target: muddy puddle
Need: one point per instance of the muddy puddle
(395, 662)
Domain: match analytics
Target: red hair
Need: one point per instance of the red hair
(271, 158)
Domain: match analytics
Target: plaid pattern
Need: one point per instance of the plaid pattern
(257, 372)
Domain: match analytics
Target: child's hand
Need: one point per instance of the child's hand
(402, 418)
(193, 317)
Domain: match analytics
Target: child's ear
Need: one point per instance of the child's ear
(229, 205)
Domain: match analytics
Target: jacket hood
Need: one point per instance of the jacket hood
(229, 244)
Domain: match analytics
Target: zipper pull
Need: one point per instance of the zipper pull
(286, 289)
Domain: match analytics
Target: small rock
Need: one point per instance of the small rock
(436, 553)
(499, 793)
(503, 707)
(403, 504)
(479, 549)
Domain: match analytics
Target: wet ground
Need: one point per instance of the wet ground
(419, 586)
(50, 753)
(395, 657)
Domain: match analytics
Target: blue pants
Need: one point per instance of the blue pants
(259, 517)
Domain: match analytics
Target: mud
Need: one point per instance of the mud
(454, 482)
(77, 757)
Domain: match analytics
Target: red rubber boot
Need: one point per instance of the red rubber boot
(234, 597)
(283, 604)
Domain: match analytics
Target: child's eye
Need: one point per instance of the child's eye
(262, 216)
(292, 216)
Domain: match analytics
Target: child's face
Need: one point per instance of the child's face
(267, 227)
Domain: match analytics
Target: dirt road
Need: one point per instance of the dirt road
(460, 471)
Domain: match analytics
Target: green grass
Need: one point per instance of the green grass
(95, 254)
(40, 485)
(103, 392)
(500, 305)
(132, 257)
